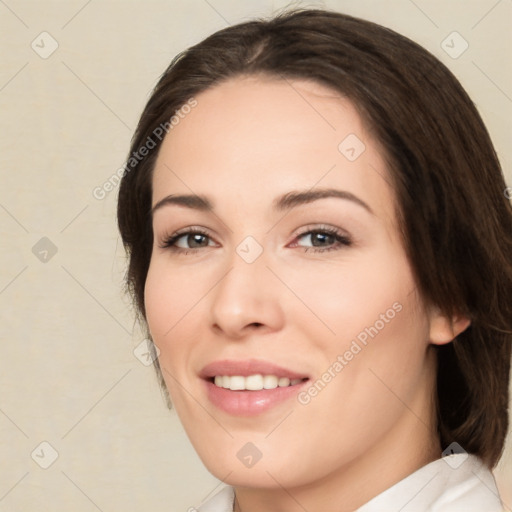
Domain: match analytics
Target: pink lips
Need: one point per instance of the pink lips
(244, 402)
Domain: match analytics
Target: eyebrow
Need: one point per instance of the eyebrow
(287, 201)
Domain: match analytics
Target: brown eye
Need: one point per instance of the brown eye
(192, 239)
(324, 239)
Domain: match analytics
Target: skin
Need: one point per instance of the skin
(248, 141)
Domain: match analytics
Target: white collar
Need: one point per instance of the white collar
(456, 483)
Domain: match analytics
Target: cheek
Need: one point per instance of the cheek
(169, 295)
(174, 301)
(165, 305)
(156, 297)
(382, 366)
(345, 297)
(378, 334)
(361, 391)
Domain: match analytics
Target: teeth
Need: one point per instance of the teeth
(270, 382)
(253, 382)
(236, 383)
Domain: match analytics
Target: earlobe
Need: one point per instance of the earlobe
(444, 329)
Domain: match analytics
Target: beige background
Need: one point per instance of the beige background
(69, 376)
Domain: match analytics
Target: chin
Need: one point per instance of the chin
(240, 466)
(255, 478)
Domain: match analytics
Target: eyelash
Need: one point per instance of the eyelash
(169, 242)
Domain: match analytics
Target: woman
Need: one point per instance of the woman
(319, 240)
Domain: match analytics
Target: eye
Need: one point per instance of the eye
(192, 239)
(324, 239)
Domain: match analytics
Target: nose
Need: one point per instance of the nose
(248, 297)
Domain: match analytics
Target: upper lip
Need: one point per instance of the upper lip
(248, 367)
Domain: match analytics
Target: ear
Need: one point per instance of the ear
(444, 329)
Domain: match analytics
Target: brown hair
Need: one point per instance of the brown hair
(454, 217)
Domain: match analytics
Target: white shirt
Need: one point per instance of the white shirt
(455, 483)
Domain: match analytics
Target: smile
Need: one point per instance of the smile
(250, 387)
(255, 382)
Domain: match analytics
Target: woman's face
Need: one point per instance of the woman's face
(297, 279)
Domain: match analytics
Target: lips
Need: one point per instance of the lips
(244, 400)
(248, 367)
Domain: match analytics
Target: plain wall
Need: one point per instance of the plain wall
(68, 375)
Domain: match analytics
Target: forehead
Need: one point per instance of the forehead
(266, 118)
(260, 136)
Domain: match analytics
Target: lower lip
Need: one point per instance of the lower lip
(250, 403)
